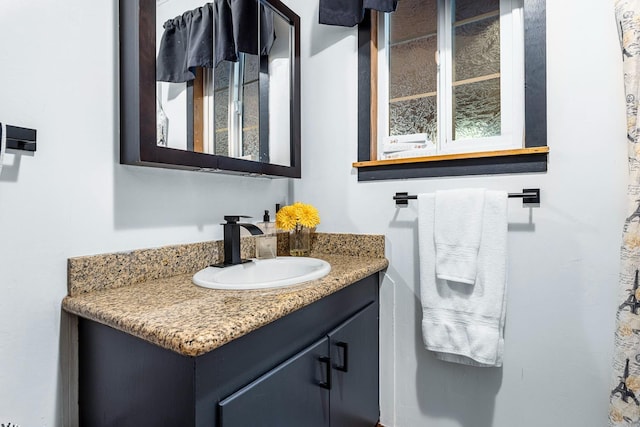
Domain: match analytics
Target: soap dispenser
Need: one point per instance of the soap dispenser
(267, 243)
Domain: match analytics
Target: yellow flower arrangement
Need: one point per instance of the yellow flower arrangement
(296, 215)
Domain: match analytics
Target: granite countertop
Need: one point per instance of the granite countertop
(175, 314)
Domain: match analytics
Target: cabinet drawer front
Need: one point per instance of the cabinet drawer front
(288, 395)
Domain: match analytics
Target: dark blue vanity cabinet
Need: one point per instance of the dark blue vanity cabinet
(317, 366)
(333, 382)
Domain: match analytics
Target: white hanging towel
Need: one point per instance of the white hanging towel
(462, 323)
(458, 228)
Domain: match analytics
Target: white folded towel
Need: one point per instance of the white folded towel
(461, 323)
(458, 228)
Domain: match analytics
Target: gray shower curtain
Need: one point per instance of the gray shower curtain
(624, 408)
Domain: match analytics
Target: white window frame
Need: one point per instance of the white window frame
(235, 108)
(511, 85)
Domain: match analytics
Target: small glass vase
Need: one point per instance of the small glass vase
(300, 241)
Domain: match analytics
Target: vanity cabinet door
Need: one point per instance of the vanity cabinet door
(293, 394)
(354, 356)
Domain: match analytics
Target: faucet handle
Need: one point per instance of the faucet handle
(232, 219)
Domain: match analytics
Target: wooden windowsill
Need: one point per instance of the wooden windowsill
(444, 157)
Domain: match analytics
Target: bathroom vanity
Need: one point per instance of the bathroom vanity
(166, 352)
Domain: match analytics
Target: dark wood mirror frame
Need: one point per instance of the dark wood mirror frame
(138, 101)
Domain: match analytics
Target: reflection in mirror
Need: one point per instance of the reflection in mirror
(210, 87)
(224, 79)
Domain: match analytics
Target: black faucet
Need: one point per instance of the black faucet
(232, 239)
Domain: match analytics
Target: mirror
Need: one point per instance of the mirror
(212, 87)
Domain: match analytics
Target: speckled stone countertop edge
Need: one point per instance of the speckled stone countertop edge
(177, 315)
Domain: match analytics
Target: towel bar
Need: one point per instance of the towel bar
(529, 196)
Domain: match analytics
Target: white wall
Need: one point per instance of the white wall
(563, 256)
(72, 197)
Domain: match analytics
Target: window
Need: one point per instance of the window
(231, 95)
(222, 108)
(445, 92)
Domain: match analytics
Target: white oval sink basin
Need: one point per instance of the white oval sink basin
(263, 273)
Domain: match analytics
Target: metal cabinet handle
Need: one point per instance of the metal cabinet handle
(345, 356)
(327, 362)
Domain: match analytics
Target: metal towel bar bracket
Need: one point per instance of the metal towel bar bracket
(529, 196)
(21, 138)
